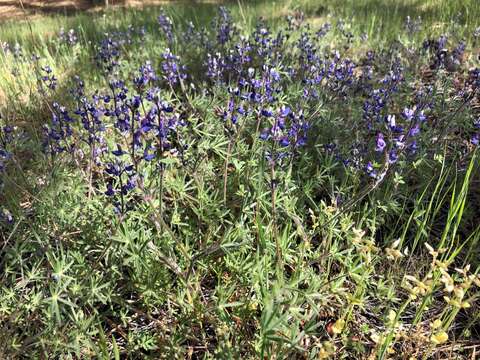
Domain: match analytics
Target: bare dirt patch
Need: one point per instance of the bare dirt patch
(18, 9)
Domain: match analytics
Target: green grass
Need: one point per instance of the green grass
(384, 19)
(213, 263)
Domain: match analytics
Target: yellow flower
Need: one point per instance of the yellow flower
(358, 235)
(459, 293)
(465, 305)
(338, 326)
(439, 338)
(392, 316)
(423, 287)
(393, 254)
(463, 271)
(323, 354)
(452, 302)
(327, 349)
(330, 209)
(447, 281)
(436, 324)
(376, 338)
(414, 292)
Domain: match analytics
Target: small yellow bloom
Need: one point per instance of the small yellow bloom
(393, 254)
(323, 354)
(459, 293)
(338, 326)
(447, 281)
(327, 349)
(358, 235)
(330, 209)
(392, 316)
(452, 302)
(465, 305)
(376, 338)
(442, 265)
(423, 287)
(436, 324)
(439, 338)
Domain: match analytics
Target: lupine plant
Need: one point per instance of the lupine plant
(235, 189)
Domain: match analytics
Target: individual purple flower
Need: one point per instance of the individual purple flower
(265, 134)
(475, 139)
(129, 186)
(118, 151)
(392, 157)
(408, 113)
(399, 141)
(476, 123)
(380, 143)
(110, 191)
(412, 146)
(149, 153)
(415, 130)
(274, 74)
(6, 216)
(421, 116)
(370, 170)
(267, 112)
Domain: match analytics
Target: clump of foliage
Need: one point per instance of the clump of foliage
(218, 191)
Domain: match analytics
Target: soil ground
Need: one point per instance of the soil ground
(18, 9)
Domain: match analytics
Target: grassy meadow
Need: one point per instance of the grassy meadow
(290, 179)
